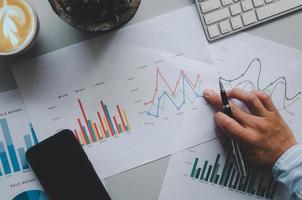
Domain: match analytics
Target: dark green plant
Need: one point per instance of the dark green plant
(95, 15)
(100, 10)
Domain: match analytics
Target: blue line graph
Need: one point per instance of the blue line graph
(177, 97)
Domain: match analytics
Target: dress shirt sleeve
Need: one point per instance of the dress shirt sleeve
(288, 171)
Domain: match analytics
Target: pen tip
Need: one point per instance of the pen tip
(220, 83)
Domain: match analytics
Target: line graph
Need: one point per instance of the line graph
(176, 95)
(269, 88)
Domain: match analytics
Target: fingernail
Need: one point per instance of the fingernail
(207, 93)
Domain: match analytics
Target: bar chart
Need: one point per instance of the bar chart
(12, 159)
(108, 125)
(17, 135)
(253, 183)
(209, 169)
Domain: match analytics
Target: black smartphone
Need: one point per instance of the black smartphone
(64, 169)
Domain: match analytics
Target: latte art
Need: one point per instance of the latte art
(16, 24)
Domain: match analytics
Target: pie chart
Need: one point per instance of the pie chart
(32, 195)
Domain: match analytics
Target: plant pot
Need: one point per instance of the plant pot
(95, 15)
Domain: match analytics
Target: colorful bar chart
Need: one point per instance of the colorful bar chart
(107, 125)
(227, 175)
(12, 159)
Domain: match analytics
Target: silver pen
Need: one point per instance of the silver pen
(226, 109)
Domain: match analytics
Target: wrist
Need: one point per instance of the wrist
(281, 150)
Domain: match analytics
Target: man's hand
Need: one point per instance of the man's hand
(261, 133)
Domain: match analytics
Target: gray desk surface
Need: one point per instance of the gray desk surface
(142, 183)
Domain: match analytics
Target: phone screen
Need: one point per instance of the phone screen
(64, 169)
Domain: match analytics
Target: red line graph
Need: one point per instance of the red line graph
(171, 89)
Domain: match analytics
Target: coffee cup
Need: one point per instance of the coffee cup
(19, 27)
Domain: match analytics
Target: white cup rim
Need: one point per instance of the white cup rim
(32, 36)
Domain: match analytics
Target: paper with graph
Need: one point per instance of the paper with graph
(208, 171)
(249, 63)
(125, 115)
(130, 97)
(17, 181)
(252, 63)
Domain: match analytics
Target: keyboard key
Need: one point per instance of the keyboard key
(217, 15)
(226, 2)
(236, 22)
(213, 31)
(249, 17)
(247, 5)
(277, 8)
(225, 26)
(207, 6)
(258, 3)
(235, 9)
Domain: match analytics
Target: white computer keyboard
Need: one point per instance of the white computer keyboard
(221, 18)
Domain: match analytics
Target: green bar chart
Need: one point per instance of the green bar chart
(225, 174)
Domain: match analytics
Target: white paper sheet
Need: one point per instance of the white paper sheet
(147, 70)
(180, 183)
(255, 63)
(247, 62)
(16, 176)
